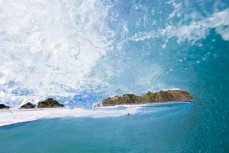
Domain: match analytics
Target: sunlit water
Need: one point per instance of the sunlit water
(80, 52)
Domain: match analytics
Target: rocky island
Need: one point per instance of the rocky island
(28, 106)
(150, 97)
(48, 103)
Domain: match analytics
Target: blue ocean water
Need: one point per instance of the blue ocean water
(154, 129)
(81, 52)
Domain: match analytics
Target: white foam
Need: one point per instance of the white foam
(45, 45)
(23, 115)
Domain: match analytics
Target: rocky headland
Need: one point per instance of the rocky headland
(150, 97)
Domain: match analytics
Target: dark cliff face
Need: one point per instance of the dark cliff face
(49, 103)
(2, 106)
(27, 106)
(150, 97)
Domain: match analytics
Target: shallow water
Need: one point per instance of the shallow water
(149, 130)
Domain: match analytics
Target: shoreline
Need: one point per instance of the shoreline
(147, 103)
(31, 109)
(14, 116)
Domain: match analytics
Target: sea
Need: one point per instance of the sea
(80, 52)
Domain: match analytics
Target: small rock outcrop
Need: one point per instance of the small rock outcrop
(28, 106)
(2, 106)
(49, 103)
(150, 97)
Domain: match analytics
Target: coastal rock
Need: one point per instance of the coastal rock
(2, 106)
(167, 96)
(27, 106)
(49, 103)
(125, 99)
(150, 97)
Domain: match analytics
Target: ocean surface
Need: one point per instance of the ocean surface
(154, 128)
(80, 52)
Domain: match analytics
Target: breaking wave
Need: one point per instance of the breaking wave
(80, 52)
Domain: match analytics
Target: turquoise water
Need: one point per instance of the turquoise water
(153, 129)
(81, 52)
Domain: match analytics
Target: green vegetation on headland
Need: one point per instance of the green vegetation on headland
(150, 97)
